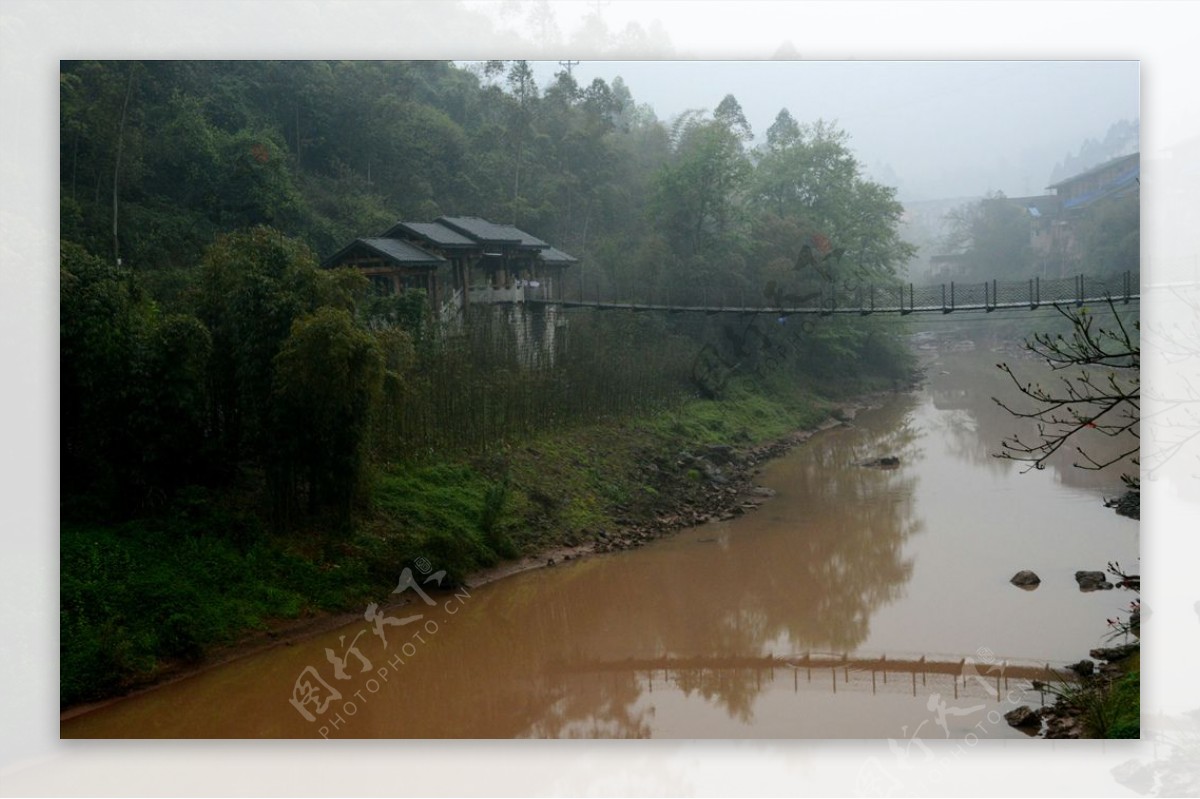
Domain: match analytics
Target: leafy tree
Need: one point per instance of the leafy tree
(700, 191)
(729, 115)
(100, 123)
(255, 185)
(993, 237)
(132, 388)
(253, 285)
(328, 377)
(1110, 236)
(103, 322)
(820, 223)
(171, 418)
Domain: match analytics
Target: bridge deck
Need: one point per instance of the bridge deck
(780, 310)
(863, 299)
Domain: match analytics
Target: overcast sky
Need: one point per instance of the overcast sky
(934, 129)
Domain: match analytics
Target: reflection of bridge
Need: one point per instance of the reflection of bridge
(944, 298)
(837, 669)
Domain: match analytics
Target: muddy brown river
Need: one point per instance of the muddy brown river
(704, 634)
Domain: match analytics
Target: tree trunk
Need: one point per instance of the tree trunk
(117, 170)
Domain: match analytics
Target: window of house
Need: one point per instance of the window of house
(382, 284)
(412, 282)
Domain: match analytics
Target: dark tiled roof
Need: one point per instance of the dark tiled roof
(1118, 185)
(403, 252)
(526, 239)
(398, 252)
(434, 233)
(553, 255)
(1123, 161)
(482, 230)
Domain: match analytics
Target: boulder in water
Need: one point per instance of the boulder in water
(1092, 581)
(1026, 579)
(1024, 716)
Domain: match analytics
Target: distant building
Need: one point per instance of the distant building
(1050, 237)
(1056, 220)
(1055, 217)
(1115, 178)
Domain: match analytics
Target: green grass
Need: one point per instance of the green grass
(745, 415)
(451, 514)
(1108, 708)
(137, 596)
(1121, 714)
(143, 595)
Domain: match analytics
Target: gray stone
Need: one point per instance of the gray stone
(1026, 579)
(1024, 716)
(719, 453)
(714, 474)
(1084, 668)
(1092, 581)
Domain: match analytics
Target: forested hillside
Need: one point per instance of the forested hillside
(158, 157)
(219, 390)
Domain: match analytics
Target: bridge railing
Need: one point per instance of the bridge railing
(518, 291)
(866, 298)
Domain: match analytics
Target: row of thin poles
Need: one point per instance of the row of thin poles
(948, 297)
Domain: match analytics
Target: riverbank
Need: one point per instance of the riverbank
(1104, 703)
(175, 610)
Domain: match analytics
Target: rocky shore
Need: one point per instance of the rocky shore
(1078, 708)
(709, 482)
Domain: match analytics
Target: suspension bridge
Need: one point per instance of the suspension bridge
(863, 300)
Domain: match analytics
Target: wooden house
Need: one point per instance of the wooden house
(458, 261)
(1114, 178)
(393, 266)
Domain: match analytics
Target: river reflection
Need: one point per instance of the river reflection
(844, 558)
(968, 382)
